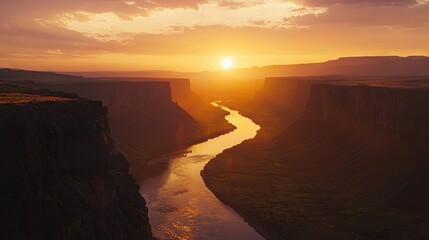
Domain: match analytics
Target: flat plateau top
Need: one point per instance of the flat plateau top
(416, 84)
(18, 98)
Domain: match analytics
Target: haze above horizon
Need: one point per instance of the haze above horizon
(195, 35)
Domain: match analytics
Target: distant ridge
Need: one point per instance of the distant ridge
(344, 66)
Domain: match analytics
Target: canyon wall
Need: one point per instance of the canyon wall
(211, 118)
(61, 176)
(353, 164)
(180, 87)
(403, 112)
(145, 122)
(290, 93)
(148, 116)
(400, 115)
(120, 94)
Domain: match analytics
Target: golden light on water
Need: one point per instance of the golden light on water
(180, 205)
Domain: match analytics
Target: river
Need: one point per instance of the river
(180, 205)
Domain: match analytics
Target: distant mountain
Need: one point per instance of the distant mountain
(349, 66)
(219, 84)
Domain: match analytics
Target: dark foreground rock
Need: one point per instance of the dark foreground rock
(60, 175)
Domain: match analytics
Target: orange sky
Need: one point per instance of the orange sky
(194, 35)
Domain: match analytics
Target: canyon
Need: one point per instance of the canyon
(340, 154)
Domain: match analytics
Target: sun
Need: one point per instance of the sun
(227, 63)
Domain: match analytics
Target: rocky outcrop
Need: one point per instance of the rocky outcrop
(61, 177)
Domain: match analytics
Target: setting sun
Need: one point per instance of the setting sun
(227, 63)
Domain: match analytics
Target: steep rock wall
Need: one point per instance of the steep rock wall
(383, 116)
(290, 93)
(211, 118)
(145, 122)
(402, 112)
(61, 177)
(120, 94)
(180, 87)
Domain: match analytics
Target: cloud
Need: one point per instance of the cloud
(235, 4)
(328, 3)
(362, 14)
(169, 21)
(91, 29)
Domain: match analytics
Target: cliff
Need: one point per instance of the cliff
(396, 117)
(61, 177)
(120, 94)
(211, 119)
(353, 165)
(180, 87)
(403, 112)
(148, 116)
(145, 122)
(290, 93)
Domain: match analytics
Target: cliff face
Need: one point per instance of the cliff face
(61, 177)
(353, 165)
(287, 93)
(120, 94)
(402, 112)
(399, 116)
(146, 115)
(180, 87)
(145, 122)
(211, 119)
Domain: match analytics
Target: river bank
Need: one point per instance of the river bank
(180, 205)
(310, 178)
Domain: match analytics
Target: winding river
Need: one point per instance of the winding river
(180, 205)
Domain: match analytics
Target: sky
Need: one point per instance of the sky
(195, 35)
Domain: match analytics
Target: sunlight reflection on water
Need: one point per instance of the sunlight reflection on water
(181, 207)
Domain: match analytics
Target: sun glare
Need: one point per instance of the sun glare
(227, 63)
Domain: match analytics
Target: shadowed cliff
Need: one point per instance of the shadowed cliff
(145, 114)
(350, 164)
(61, 177)
(212, 119)
(145, 122)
